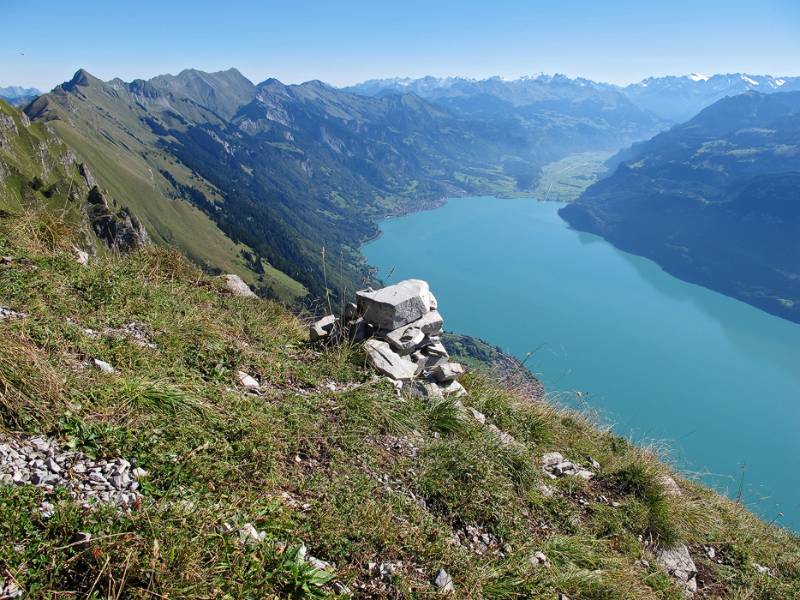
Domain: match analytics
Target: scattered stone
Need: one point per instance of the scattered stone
(670, 486)
(383, 571)
(453, 389)
(103, 366)
(477, 415)
(47, 509)
(81, 257)
(554, 465)
(444, 582)
(388, 362)
(7, 313)
(249, 535)
(396, 305)
(236, 286)
(539, 559)
(322, 329)
(40, 462)
(503, 437)
(680, 566)
(711, 552)
(248, 382)
(10, 590)
(447, 372)
(762, 569)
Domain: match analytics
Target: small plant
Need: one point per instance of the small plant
(444, 416)
(297, 578)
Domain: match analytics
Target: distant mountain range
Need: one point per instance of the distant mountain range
(715, 201)
(673, 98)
(18, 96)
(679, 99)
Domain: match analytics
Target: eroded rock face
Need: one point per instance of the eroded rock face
(121, 231)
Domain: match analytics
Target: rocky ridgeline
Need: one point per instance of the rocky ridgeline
(401, 330)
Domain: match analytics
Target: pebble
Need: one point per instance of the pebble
(40, 462)
(444, 582)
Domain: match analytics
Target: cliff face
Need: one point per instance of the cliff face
(714, 201)
(161, 434)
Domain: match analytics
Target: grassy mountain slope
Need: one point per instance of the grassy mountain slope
(326, 453)
(281, 171)
(104, 124)
(714, 201)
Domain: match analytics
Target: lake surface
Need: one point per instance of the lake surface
(661, 359)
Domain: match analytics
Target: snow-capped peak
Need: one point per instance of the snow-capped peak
(698, 77)
(779, 82)
(746, 79)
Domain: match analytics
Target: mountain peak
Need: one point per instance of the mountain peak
(82, 78)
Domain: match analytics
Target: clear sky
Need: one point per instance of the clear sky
(43, 42)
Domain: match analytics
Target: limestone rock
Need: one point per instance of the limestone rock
(453, 389)
(396, 305)
(444, 582)
(406, 339)
(679, 564)
(447, 372)
(236, 286)
(248, 382)
(670, 486)
(387, 361)
(321, 329)
(104, 366)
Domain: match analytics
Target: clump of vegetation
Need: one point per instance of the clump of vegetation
(324, 454)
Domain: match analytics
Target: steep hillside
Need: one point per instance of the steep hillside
(679, 98)
(259, 179)
(714, 201)
(159, 437)
(106, 125)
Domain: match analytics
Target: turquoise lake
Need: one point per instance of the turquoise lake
(715, 379)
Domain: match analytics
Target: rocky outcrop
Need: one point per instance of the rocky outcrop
(402, 328)
(121, 231)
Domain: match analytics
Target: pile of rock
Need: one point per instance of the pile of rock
(555, 465)
(38, 461)
(401, 329)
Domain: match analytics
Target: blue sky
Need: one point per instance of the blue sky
(341, 41)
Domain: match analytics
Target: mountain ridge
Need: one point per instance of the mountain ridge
(682, 198)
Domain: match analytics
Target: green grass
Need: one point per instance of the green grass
(357, 474)
(566, 179)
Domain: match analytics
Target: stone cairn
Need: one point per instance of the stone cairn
(401, 330)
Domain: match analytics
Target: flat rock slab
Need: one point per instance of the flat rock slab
(396, 305)
(381, 356)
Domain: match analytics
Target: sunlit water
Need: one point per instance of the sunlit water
(664, 360)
